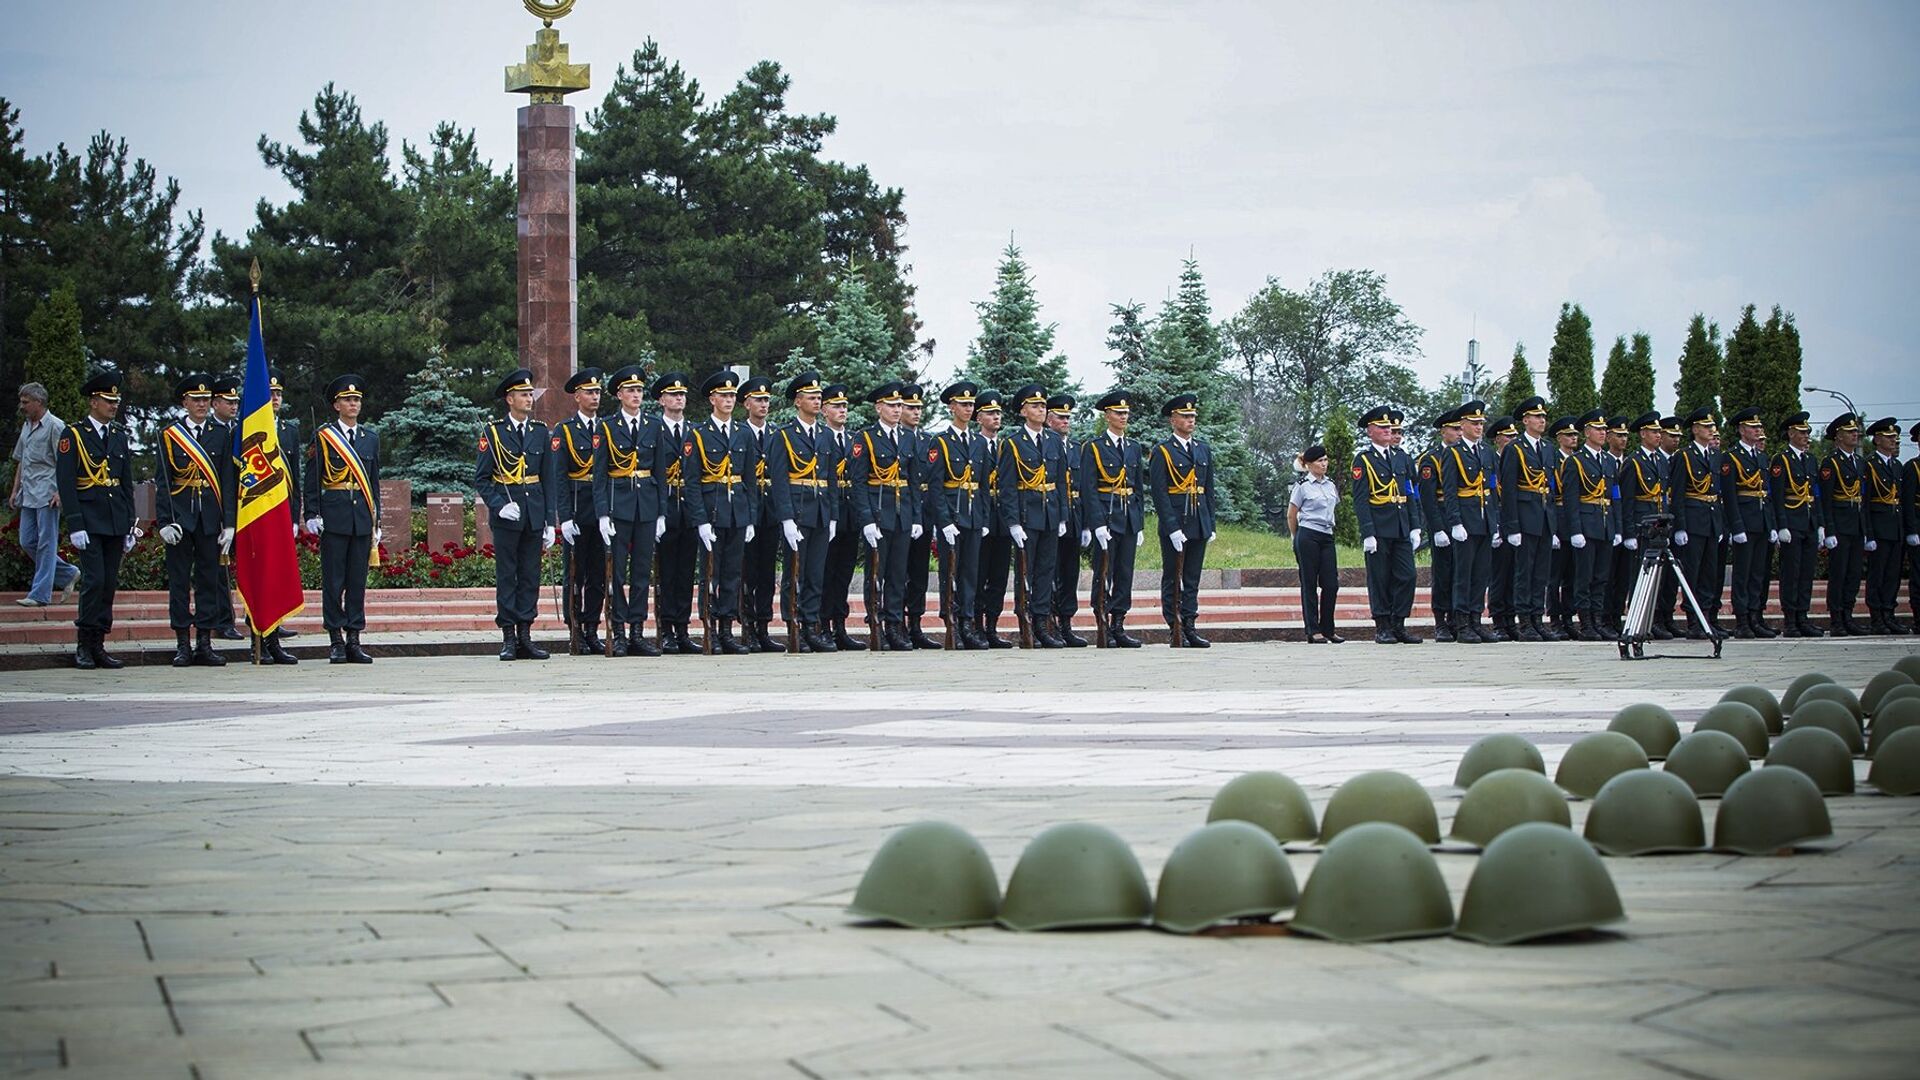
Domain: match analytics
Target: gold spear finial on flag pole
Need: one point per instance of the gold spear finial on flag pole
(253, 274)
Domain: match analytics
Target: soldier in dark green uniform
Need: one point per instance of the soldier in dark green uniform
(1180, 475)
(1671, 435)
(579, 514)
(1112, 483)
(1078, 537)
(1470, 519)
(226, 413)
(723, 503)
(1429, 487)
(1749, 509)
(93, 465)
(1797, 513)
(760, 559)
(802, 498)
(678, 547)
(1886, 527)
(843, 530)
(1389, 527)
(193, 507)
(629, 492)
(996, 547)
(1500, 434)
(1526, 517)
(885, 508)
(1623, 562)
(1565, 433)
(342, 503)
(916, 448)
(1031, 491)
(1698, 519)
(515, 473)
(1589, 519)
(1842, 475)
(962, 511)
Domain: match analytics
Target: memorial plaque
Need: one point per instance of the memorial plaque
(396, 515)
(446, 519)
(482, 525)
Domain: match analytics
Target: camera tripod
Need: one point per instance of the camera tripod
(1636, 630)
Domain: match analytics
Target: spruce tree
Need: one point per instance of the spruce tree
(856, 347)
(57, 353)
(1743, 371)
(1186, 347)
(1518, 385)
(1012, 347)
(429, 439)
(1627, 388)
(1570, 363)
(1135, 371)
(1698, 386)
(1780, 394)
(1339, 441)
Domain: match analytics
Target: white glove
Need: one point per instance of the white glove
(1616, 539)
(1212, 536)
(916, 532)
(1830, 543)
(376, 537)
(952, 533)
(791, 530)
(313, 526)
(1062, 530)
(569, 532)
(546, 537)
(1370, 545)
(1140, 538)
(79, 540)
(659, 527)
(1873, 545)
(1679, 538)
(706, 535)
(1579, 542)
(1018, 535)
(1178, 539)
(1633, 543)
(1104, 535)
(1086, 537)
(132, 539)
(833, 531)
(1739, 538)
(1440, 540)
(1498, 539)
(749, 537)
(606, 529)
(872, 535)
(1514, 538)
(170, 534)
(984, 530)
(1459, 532)
(510, 512)
(1913, 539)
(1773, 536)
(1820, 535)
(1413, 537)
(296, 530)
(226, 541)
(1784, 536)
(1556, 541)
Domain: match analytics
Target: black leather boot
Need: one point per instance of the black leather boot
(820, 637)
(918, 637)
(204, 654)
(617, 637)
(229, 632)
(1072, 640)
(337, 648)
(669, 644)
(1443, 626)
(637, 643)
(725, 642)
(763, 641)
(100, 658)
(1191, 637)
(590, 643)
(83, 650)
(509, 645)
(358, 655)
(1043, 635)
(1742, 628)
(270, 647)
(844, 641)
(1401, 635)
(684, 640)
(182, 648)
(523, 646)
(1383, 633)
(991, 635)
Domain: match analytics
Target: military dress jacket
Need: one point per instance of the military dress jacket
(342, 479)
(1743, 491)
(719, 472)
(1693, 486)
(194, 478)
(1842, 478)
(1526, 488)
(1792, 491)
(1031, 478)
(1587, 496)
(800, 471)
(1112, 483)
(95, 476)
(629, 479)
(1383, 499)
(960, 463)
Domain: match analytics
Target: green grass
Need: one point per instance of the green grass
(1237, 547)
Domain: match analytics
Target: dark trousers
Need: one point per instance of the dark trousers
(1560, 578)
(1500, 583)
(1117, 564)
(343, 579)
(996, 562)
(1313, 550)
(1066, 575)
(1180, 595)
(919, 572)
(1043, 561)
(1472, 571)
(99, 580)
(1591, 565)
(1440, 596)
(633, 548)
(1700, 562)
(890, 558)
(1883, 575)
(1390, 579)
(1532, 562)
(516, 576)
(223, 614)
(1796, 572)
(960, 574)
(679, 554)
(193, 581)
(805, 576)
(759, 565)
(723, 563)
(1844, 564)
(843, 556)
(1913, 579)
(1620, 572)
(1750, 573)
(587, 563)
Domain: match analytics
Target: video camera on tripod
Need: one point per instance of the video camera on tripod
(1655, 534)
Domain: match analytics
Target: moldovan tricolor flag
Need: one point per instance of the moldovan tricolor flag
(264, 564)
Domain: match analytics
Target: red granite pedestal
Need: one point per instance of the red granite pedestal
(549, 297)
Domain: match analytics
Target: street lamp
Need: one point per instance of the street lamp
(1844, 399)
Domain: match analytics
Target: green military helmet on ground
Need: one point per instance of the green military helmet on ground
(1270, 800)
(1708, 761)
(1375, 882)
(1490, 753)
(1909, 665)
(1832, 692)
(1819, 753)
(1381, 796)
(1899, 693)
(1769, 810)
(1800, 686)
(1831, 715)
(1762, 701)
(1896, 770)
(1644, 812)
(1740, 720)
(1076, 875)
(1505, 798)
(1595, 759)
(1223, 871)
(1537, 880)
(1877, 687)
(1650, 725)
(929, 875)
(1893, 716)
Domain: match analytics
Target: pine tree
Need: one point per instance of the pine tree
(1743, 371)
(1339, 440)
(1136, 372)
(429, 438)
(1627, 388)
(1012, 347)
(1698, 386)
(856, 346)
(462, 261)
(57, 354)
(1570, 363)
(1185, 345)
(1780, 394)
(1518, 385)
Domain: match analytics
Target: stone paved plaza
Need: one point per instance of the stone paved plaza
(458, 867)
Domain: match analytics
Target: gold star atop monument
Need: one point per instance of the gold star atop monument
(548, 76)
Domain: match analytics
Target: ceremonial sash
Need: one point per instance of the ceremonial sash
(350, 463)
(177, 439)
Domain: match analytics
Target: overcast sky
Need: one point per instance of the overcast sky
(1648, 160)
